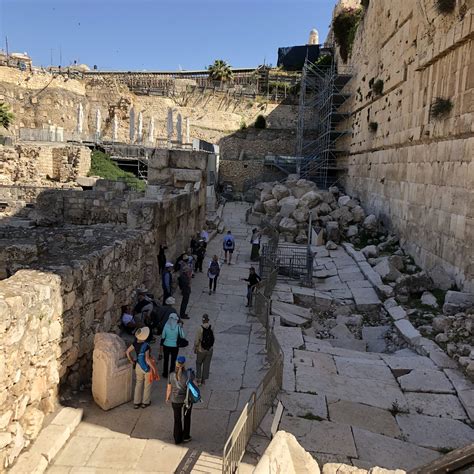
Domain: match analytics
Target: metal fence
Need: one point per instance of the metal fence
(262, 398)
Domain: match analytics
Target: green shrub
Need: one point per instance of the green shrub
(445, 6)
(373, 126)
(324, 60)
(345, 27)
(103, 166)
(377, 86)
(6, 117)
(260, 122)
(365, 3)
(440, 107)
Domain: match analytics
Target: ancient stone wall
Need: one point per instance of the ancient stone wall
(415, 171)
(73, 287)
(29, 163)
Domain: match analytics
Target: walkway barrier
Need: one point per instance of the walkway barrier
(262, 398)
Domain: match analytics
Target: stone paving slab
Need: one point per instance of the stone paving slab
(433, 381)
(281, 307)
(350, 344)
(369, 392)
(322, 362)
(364, 416)
(366, 299)
(408, 363)
(435, 404)
(336, 351)
(434, 432)
(301, 404)
(358, 368)
(390, 453)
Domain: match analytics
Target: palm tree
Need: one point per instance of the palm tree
(220, 71)
(6, 117)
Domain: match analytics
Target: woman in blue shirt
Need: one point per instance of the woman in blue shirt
(169, 341)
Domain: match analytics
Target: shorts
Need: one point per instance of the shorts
(228, 250)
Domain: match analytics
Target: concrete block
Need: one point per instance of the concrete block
(70, 417)
(31, 463)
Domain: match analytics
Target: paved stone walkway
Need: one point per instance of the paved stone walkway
(128, 440)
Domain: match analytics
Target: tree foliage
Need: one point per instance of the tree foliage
(6, 117)
(345, 26)
(220, 70)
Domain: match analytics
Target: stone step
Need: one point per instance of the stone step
(281, 307)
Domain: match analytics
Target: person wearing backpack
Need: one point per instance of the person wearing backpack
(213, 273)
(143, 365)
(177, 392)
(229, 246)
(203, 348)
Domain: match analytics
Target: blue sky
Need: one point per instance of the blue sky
(159, 34)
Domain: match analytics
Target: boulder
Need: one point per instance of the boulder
(331, 245)
(280, 191)
(455, 301)
(271, 207)
(302, 187)
(301, 215)
(352, 231)
(370, 251)
(332, 231)
(287, 205)
(266, 195)
(387, 271)
(440, 323)
(259, 207)
(323, 209)
(310, 199)
(343, 215)
(285, 455)
(329, 198)
(428, 299)
(358, 214)
(302, 237)
(397, 262)
(288, 226)
(370, 223)
(343, 200)
(441, 278)
(413, 284)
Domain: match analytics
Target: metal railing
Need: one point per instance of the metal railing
(262, 398)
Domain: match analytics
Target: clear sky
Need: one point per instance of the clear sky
(159, 34)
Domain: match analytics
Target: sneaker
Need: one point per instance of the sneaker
(210, 292)
(185, 316)
(187, 440)
(145, 405)
(136, 406)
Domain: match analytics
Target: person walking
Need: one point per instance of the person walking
(229, 246)
(169, 340)
(213, 273)
(176, 391)
(143, 365)
(252, 281)
(161, 318)
(162, 258)
(255, 241)
(203, 348)
(184, 281)
(200, 253)
(167, 281)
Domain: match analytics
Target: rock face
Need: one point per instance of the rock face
(111, 372)
(285, 455)
(279, 192)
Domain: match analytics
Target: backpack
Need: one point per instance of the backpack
(228, 244)
(214, 268)
(207, 339)
(193, 394)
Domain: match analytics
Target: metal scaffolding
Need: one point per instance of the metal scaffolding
(319, 120)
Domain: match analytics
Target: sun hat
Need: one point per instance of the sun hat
(173, 316)
(170, 300)
(181, 359)
(142, 333)
(168, 265)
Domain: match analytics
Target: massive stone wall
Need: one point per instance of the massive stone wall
(416, 172)
(30, 163)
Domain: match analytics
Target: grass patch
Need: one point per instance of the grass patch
(311, 416)
(103, 166)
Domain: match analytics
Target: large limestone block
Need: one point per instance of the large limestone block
(111, 372)
(280, 191)
(434, 432)
(271, 206)
(387, 271)
(432, 381)
(310, 199)
(390, 453)
(288, 225)
(436, 404)
(285, 454)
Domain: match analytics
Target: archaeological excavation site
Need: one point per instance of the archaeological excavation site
(263, 269)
